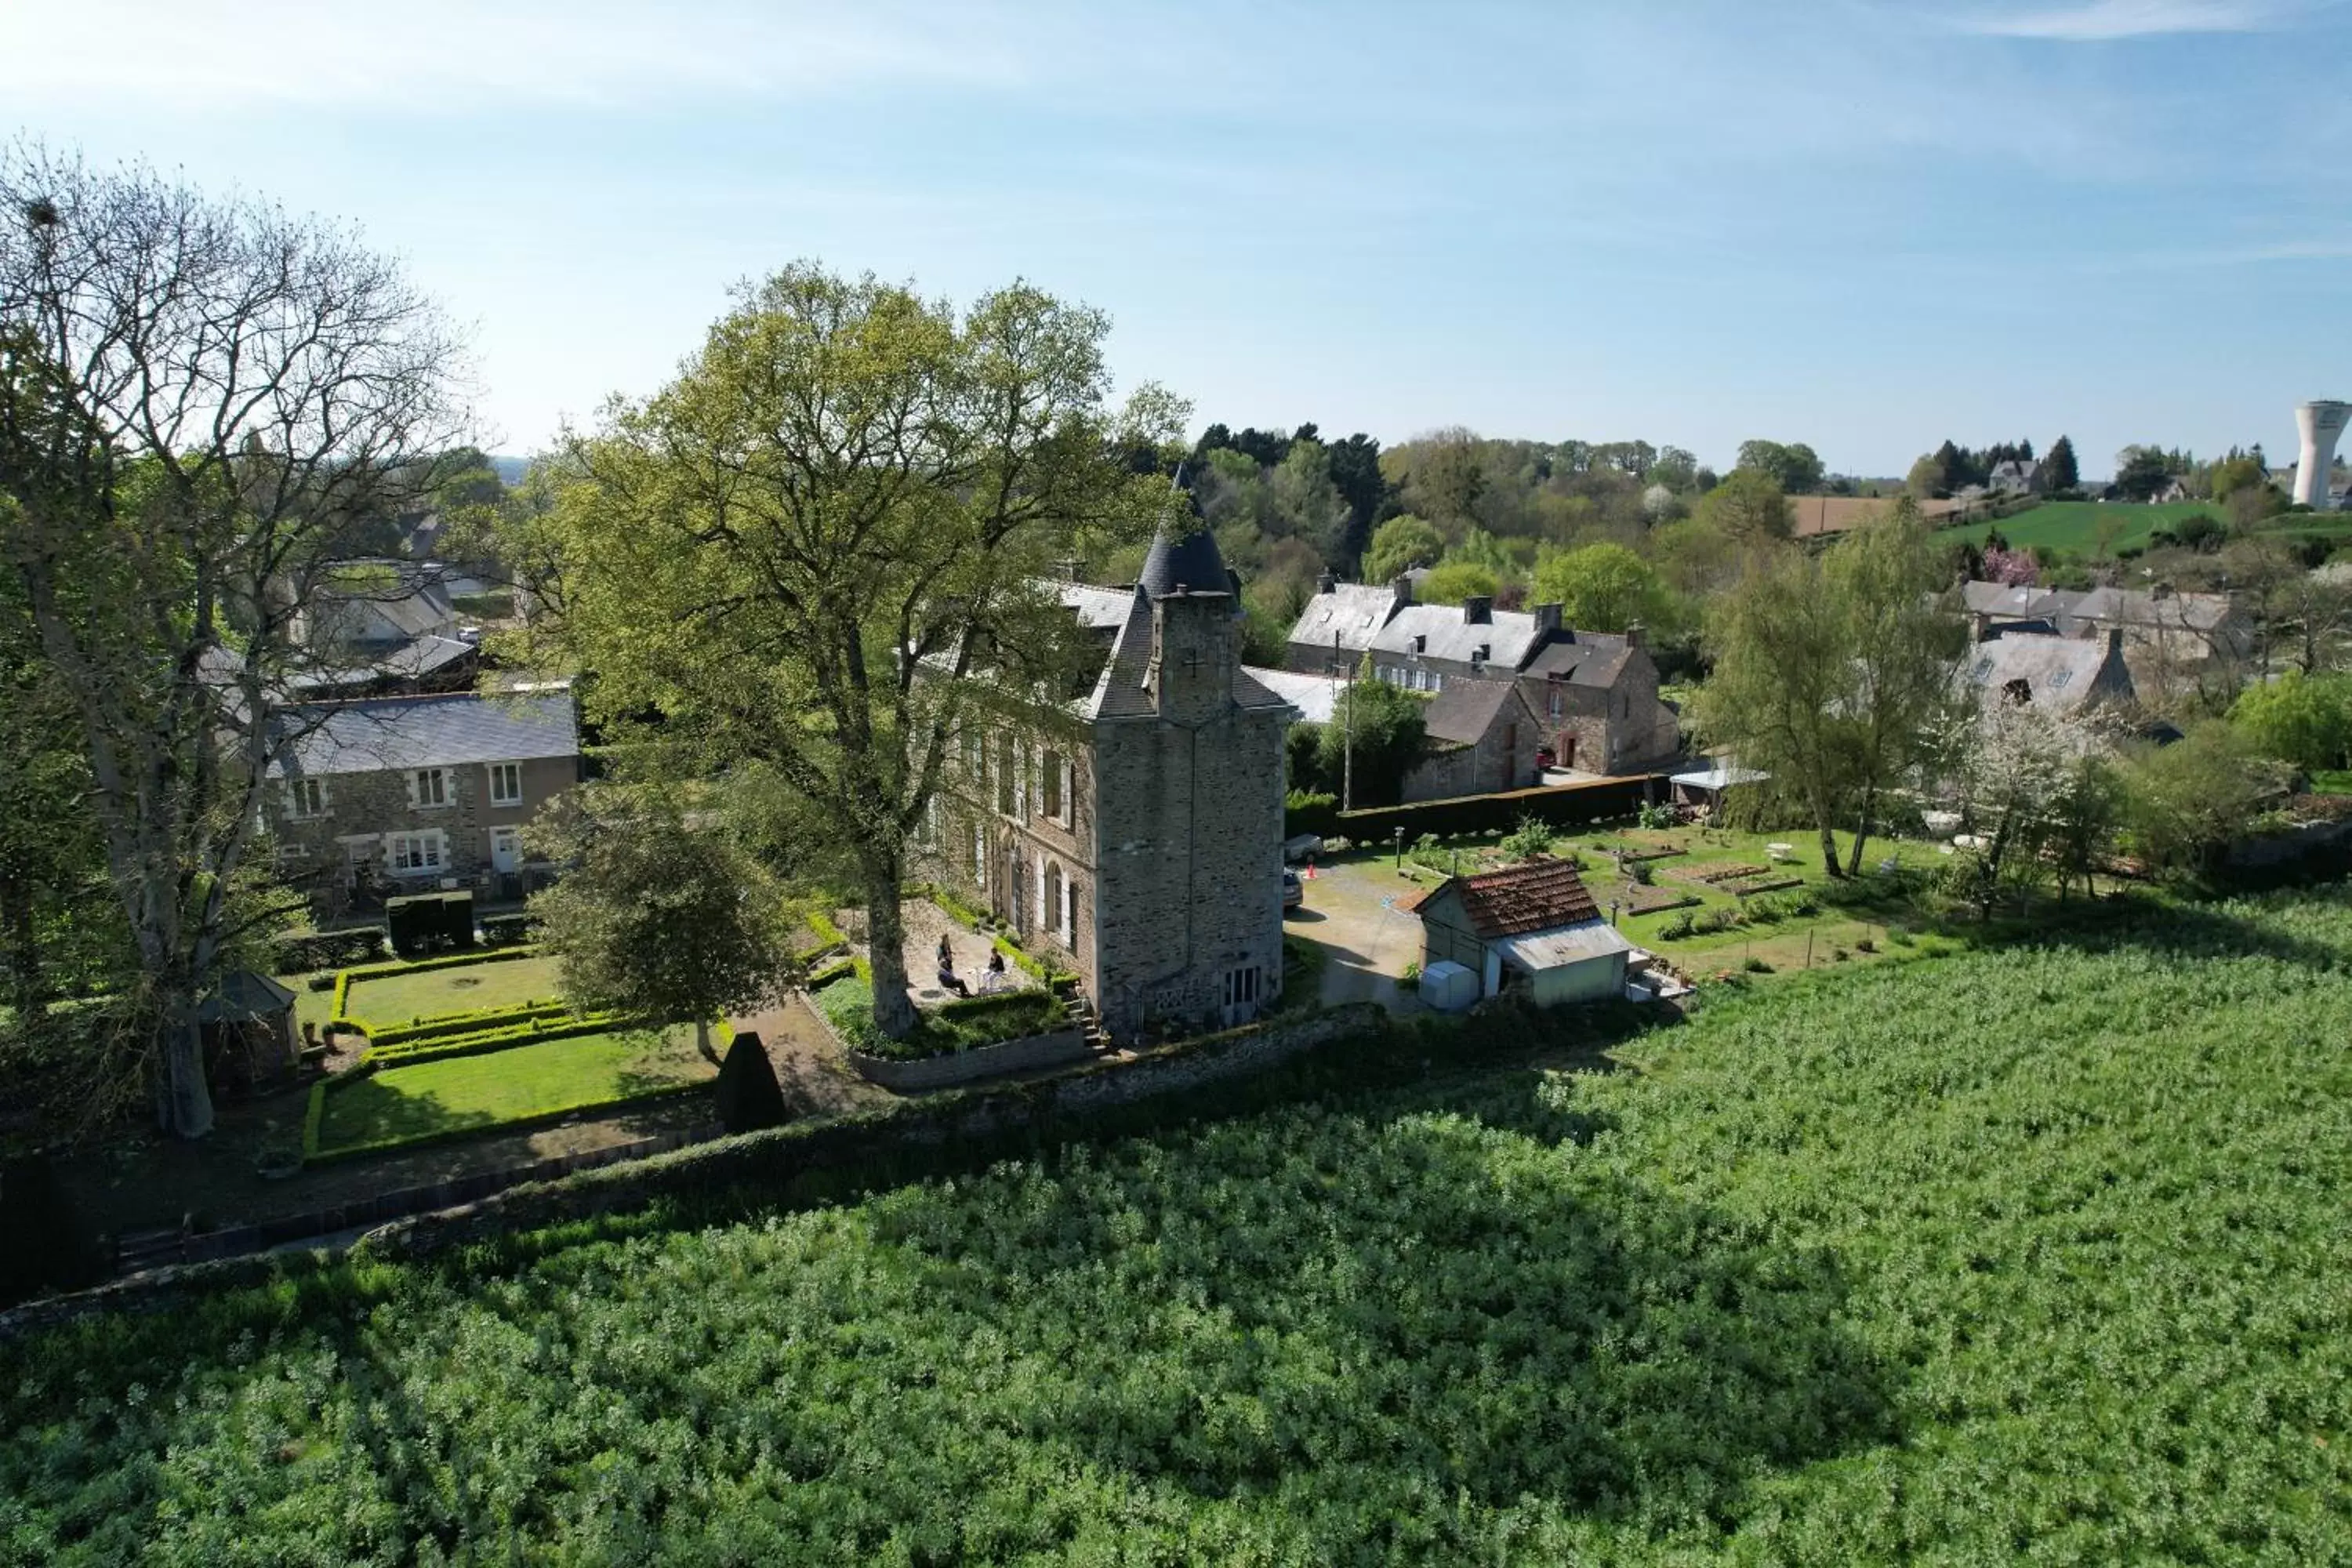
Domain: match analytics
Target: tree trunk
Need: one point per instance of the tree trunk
(702, 1040)
(25, 982)
(184, 1100)
(1862, 831)
(886, 949)
(1829, 842)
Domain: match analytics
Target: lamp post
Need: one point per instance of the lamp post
(1400, 850)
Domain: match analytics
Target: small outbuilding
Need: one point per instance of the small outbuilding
(1532, 928)
(249, 1031)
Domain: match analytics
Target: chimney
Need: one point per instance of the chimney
(1981, 627)
(1634, 636)
(1328, 582)
(1547, 619)
(1402, 589)
(1479, 610)
(1066, 570)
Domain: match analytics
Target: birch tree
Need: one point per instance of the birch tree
(199, 401)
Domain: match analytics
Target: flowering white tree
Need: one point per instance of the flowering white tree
(2037, 791)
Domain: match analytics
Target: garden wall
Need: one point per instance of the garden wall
(898, 1142)
(966, 1067)
(1561, 805)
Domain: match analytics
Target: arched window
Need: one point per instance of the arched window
(1056, 909)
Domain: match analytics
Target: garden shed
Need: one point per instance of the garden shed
(248, 1029)
(1533, 928)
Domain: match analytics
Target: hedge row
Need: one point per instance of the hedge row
(507, 930)
(484, 1041)
(325, 950)
(1574, 805)
(540, 1020)
(827, 933)
(341, 1018)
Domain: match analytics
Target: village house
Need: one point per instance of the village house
(2166, 634)
(1480, 737)
(1591, 699)
(1532, 930)
(404, 795)
(1138, 837)
(2060, 674)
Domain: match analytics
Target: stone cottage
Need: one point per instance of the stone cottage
(1480, 737)
(1593, 696)
(403, 795)
(1137, 834)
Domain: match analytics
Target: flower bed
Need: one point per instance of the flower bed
(1642, 900)
(847, 1005)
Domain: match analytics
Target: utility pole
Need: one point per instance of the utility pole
(1347, 732)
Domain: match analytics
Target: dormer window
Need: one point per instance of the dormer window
(1420, 642)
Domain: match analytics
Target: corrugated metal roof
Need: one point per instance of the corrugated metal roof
(1571, 945)
(394, 732)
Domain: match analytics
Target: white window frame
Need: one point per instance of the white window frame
(306, 799)
(1069, 911)
(427, 851)
(500, 772)
(980, 855)
(440, 783)
(512, 832)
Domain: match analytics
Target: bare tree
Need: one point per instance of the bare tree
(201, 404)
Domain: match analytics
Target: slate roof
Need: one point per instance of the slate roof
(2003, 599)
(394, 732)
(2133, 607)
(406, 661)
(1354, 612)
(1507, 638)
(2062, 674)
(1542, 895)
(1119, 692)
(1317, 697)
(1098, 609)
(1594, 658)
(1465, 710)
(1192, 561)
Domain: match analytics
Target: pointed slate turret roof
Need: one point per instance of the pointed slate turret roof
(1192, 561)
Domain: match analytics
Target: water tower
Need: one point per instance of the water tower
(2319, 423)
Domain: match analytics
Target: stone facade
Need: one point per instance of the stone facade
(1482, 738)
(1602, 713)
(367, 814)
(1140, 838)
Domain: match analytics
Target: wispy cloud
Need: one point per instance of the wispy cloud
(437, 54)
(2107, 21)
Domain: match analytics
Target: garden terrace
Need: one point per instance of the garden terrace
(387, 996)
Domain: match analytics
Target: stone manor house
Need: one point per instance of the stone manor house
(1140, 838)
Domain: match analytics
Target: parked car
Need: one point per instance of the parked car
(1293, 891)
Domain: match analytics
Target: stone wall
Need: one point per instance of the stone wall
(1190, 804)
(1056, 1050)
(1622, 729)
(1504, 758)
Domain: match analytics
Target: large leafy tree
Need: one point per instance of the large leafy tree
(821, 552)
(1603, 588)
(2060, 470)
(662, 917)
(1372, 741)
(1750, 508)
(1793, 466)
(1399, 545)
(1833, 672)
(201, 402)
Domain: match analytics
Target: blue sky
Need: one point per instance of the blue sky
(1860, 224)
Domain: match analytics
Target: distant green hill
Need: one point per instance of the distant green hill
(2073, 525)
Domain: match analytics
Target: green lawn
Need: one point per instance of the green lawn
(434, 1100)
(2032, 1255)
(2073, 525)
(461, 988)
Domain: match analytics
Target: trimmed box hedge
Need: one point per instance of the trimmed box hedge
(340, 1016)
(1562, 805)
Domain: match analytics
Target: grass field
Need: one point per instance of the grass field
(2024, 1255)
(461, 988)
(437, 1100)
(2074, 526)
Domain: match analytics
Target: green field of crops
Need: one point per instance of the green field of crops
(2034, 1254)
(2073, 525)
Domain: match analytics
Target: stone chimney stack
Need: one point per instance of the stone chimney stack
(1635, 636)
(1981, 627)
(1479, 610)
(1194, 652)
(1402, 588)
(1328, 582)
(1547, 620)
